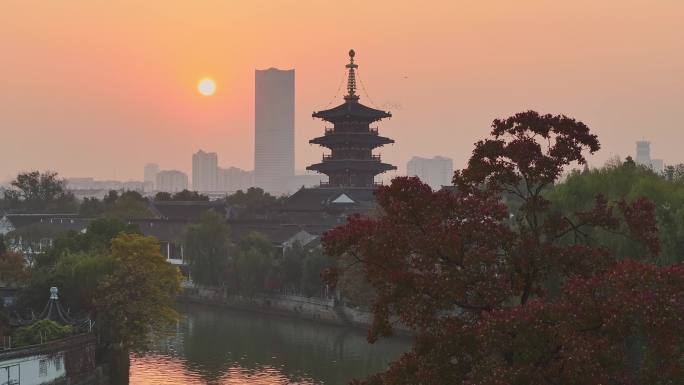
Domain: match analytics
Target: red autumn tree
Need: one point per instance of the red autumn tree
(499, 288)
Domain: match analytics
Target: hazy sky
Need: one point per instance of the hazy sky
(99, 88)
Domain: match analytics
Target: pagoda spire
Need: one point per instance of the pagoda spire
(351, 81)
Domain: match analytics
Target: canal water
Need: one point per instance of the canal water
(218, 346)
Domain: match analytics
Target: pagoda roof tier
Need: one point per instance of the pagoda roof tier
(351, 110)
(351, 164)
(368, 139)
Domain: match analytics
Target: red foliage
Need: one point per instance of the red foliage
(525, 297)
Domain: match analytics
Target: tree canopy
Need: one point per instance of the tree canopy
(627, 180)
(207, 247)
(13, 269)
(129, 205)
(520, 297)
(185, 196)
(138, 296)
(40, 192)
(115, 275)
(75, 263)
(253, 202)
(253, 264)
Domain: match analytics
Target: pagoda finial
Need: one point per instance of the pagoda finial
(351, 81)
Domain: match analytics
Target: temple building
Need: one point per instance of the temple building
(351, 140)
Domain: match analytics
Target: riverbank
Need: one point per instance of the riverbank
(312, 309)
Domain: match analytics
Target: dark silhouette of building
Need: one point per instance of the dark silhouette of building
(351, 140)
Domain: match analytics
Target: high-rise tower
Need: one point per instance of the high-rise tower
(351, 140)
(274, 129)
(204, 171)
(643, 152)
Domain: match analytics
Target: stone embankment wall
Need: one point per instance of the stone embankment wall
(315, 309)
(65, 361)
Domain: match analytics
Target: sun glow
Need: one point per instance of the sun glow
(206, 87)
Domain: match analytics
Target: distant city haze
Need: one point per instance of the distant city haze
(100, 89)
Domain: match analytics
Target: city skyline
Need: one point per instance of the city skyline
(124, 93)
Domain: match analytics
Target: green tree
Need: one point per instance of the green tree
(130, 205)
(252, 203)
(207, 247)
(313, 266)
(97, 238)
(253, 264)
(76, 263)
(91, 207)
(674, 172)
(187, 195)
(13, 269)
(162, 196)
(627, 180)
(41, 332)
(40, 192)
(291, 265)
(111, 197)
(138, 296)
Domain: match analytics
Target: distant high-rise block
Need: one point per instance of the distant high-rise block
(274, 129)
(171, 181)
(643, 157)
(643, 153)
(204, 171)
(436, 172)
(232, 179)
(150, 173)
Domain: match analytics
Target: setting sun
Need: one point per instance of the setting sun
(206, 87)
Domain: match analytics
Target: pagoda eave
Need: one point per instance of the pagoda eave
(355, 165)
(336, 139)
(351, 110)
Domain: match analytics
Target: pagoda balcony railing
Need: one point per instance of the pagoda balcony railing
(328, 184)
(372, 157)
(371, 130)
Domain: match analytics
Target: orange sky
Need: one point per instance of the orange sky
(98, 88)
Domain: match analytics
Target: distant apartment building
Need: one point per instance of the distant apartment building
(171, 181)
(274, 129)
(150, 174)
(232, 179)
(88, 183)
(135, 185)
(204, 171)
(91, 188)
(643, 157)
(436, 172)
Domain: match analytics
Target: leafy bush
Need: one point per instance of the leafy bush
(40, 332)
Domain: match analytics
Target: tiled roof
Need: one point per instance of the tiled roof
(321, 198)
(276, 233)
(163, 230)
(351, 109)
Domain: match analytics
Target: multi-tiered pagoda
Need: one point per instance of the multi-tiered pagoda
(351, 140)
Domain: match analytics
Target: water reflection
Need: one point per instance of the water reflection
(217, 346)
